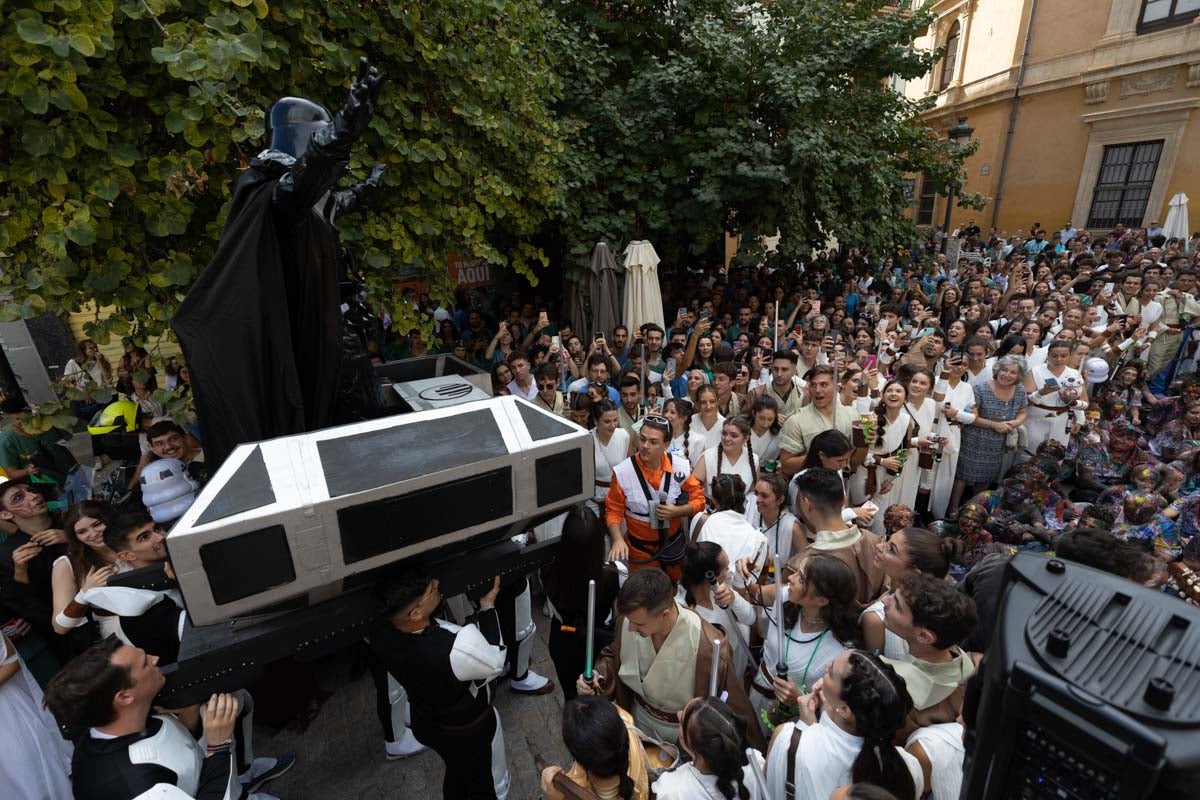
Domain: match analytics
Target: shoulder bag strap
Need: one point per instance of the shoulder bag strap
(789, 788)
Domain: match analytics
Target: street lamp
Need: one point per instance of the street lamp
(959, 132)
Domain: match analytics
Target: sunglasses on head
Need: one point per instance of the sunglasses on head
(655, 418)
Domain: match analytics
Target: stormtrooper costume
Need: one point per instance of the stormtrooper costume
(165, 762)
(447, 672)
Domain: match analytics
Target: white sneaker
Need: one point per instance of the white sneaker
(407, 745)
(532, 683)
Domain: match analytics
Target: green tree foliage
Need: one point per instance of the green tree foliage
(124, 122)
(689, 116)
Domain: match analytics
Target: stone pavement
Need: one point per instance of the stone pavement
(340, 756)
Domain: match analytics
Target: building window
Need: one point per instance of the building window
(950, 60)
(1160, 14)
(927, 200)
(1123, 186)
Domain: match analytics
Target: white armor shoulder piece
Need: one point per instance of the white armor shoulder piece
(174, 748)
(122, 600)
(474, 658)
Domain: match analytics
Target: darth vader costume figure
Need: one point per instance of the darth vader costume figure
(273, 330)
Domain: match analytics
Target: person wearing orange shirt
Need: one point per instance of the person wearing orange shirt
(651, 492)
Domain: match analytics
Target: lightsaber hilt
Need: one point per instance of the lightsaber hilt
(716, 665)
(591, 631)
(711, 577)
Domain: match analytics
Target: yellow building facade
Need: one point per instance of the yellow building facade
(1084, 110)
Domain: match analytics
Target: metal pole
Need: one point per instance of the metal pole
(775, 330)
(946, 224)
(644, 393)
(716, 665)
(591, 631)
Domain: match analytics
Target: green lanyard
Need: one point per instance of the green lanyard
(788, 646)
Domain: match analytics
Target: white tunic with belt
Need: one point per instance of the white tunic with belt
(606, 457)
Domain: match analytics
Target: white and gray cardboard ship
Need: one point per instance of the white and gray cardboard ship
(294, 521)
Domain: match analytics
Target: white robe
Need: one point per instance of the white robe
(943, 745)
(685, 782)
(35, 760)
(737, 537)
(710, 436)
(893, 645)
(961, 397)
(926, 416)
(823, 760)
(895, 435)
(606, 457)
(735, 620)
(766, 447)
(742, 468)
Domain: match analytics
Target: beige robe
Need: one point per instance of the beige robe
(689, 677)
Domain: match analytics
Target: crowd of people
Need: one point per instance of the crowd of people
(806, 483)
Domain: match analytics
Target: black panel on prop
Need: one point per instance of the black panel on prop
(392, 523)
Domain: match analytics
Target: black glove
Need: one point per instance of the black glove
(352, 121)
(376, 172)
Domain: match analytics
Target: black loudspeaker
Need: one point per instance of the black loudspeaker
(1090, 690)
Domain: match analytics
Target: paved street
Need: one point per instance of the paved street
(340, 756)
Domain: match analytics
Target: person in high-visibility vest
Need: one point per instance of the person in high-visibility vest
(652, 482)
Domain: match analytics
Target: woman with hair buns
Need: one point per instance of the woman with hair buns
(907, 551)
(609, 759)
(844, 735)
(704, 586)
(726, 525)
(723, 764)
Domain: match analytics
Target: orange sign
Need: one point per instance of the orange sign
(467, 272)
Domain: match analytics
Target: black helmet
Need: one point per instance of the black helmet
(293, 121)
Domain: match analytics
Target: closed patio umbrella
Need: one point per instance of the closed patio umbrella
(605, 292)
(1177, 218)
(643, 298)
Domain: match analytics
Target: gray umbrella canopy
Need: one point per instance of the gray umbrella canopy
(605, 290)
(576, 310)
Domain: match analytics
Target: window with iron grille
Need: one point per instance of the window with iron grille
(950, 60)
(926, 202)
(1123, 186)
(1158, 15)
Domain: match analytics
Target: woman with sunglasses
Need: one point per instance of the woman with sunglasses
(645, 528)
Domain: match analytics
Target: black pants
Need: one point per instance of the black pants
(569, 650)
(506, 602)
(467, 755)
(383, 708)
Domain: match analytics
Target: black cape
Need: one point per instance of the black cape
(260, 328)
